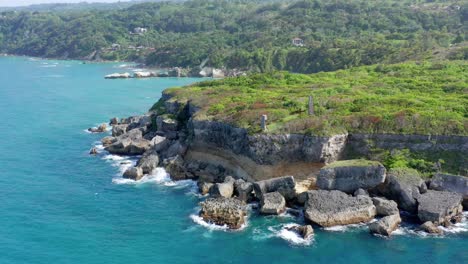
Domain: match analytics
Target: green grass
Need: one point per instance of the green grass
(352, 163)
(406, 98)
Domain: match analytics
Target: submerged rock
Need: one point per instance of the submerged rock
(331, 208)
(305, 231)
(403, 186)
(385, 207)
(272, 203)
(439, 207)
(284, 185)
(386, 225)
(223, 211)
(430, 228)
(133, 173)
(452, 183)
(350, 175)
(93, 151)
(100, 129)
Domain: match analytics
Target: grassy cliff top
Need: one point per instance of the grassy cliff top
(406, 98)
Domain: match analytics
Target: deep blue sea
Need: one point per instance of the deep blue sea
(60, 205)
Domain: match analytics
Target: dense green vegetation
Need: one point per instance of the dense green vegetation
(406, 98)
(247, 34)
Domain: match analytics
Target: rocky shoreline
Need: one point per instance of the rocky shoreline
(233, 169)
(179, 72)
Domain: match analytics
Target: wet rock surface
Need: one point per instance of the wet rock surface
(439, 207)
(386, 225)
(272, 203)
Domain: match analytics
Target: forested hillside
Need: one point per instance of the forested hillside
(246, 34)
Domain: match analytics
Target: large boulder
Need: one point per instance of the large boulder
(107, 141)
(272, 203)
(204, 187)
(439, 207)
(176, 169)
(386, 225)
(350, 175)
(149, 161)
(284, 185)
(243, 190)
(131, 143)
(403, 186)
(331, 208)
(166, 124)
(223, 211)
(430, 228)
(160, 143)
(133, 173)
(118, 130)
(451, 183)
(385, 207)
(225, 189)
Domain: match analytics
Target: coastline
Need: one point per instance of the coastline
(230, 167)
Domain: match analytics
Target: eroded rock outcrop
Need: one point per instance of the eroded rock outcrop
(284, 185)
(403, 186)
(385, 207)
(305, 231)
(430, 228)
(439, 207)
(133, 173)
(223, 211)
(130, 143)
(272, 203)
(149, 161)
(350, 175)
(386, 225)
(100, 129)
(331, 208)
(452, 183)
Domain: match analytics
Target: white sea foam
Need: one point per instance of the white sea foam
(198, 220)
(293, 237)
(342, 228)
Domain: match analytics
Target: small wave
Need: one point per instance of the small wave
(343, 228)
(48, 66)
(293, 237)
(53, 76)
(198, 220)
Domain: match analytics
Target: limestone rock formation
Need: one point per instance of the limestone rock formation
(350, 175)
(439, 207)
(305, 231)
(430, 228)
(331, 208)
(118, 130)
(272, 203)
(225, 189)
(107, 141)
(386, 225)
(130, 143)
(223, 211)
(385, 207)
(243, 190)
(284, 185)
(100, 129)
(149, 161)
(452, 183)
(133, 173)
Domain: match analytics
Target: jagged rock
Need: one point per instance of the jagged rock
(124, 75)
(93, 151)
(131, 143)
(138, 122)
(160, 143)
(452, 183)
(107, 141)
(118, 130)
(302, 198)
(223, 211)
(114, 121)
(361, 192)
(330, 208)
(174, 149)
(385, 207)
(225, 189)
(429, 227)
(229, 179)
(166, 124)
(149, 161)
(243, 190)
(204, 187)
(272, 203)
(284, 185)
(133, 173)
(386, 225)
(175, 167)
(100, 129)
(350, 175)
(305, 231)
(439, 207)
(403, 186)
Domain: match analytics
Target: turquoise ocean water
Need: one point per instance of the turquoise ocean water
(60, 205)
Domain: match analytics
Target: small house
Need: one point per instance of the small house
(140, 30)
(298, 42)
(115, 46)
